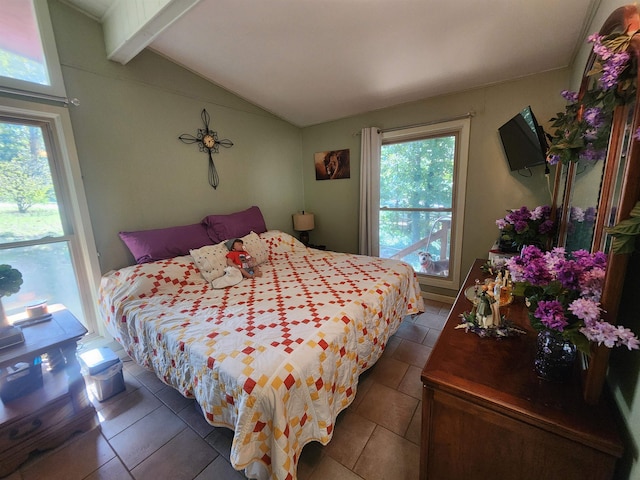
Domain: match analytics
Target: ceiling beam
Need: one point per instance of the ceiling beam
(130, 25)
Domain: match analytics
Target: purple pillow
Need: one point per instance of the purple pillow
(150, 245)
(234, 225)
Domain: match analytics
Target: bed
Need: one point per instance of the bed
(274, 358)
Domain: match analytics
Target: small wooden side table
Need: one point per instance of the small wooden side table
(49, 415)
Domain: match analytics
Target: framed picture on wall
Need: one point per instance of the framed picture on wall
(332, 165)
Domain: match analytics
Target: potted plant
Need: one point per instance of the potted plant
(563, 298)
(10, 282)
(521, 227)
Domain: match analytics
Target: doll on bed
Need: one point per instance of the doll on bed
(240, 258)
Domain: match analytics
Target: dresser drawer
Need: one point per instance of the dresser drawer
(30, 426)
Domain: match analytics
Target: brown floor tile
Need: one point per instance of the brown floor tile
(328, 468)
(114, 469)
(133, 368)
(193, 416)
(414, 430)
(412, 353)
(387, 407)
(149, 380)
(310, 458)
(76, 458)
(219, 469)
(431, 320)
(174, 399)
(388, 371)
(388, 456)
(432, 306)
(411, 383)
(349, 438)
(182, 458)
(127, 410)
(432, 337)
(221, 439)
(411, 331)
(147, 435)
(364, 384)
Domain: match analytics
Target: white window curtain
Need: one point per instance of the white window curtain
(370, 144)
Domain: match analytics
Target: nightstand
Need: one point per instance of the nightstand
(317, 247)
(49, 415)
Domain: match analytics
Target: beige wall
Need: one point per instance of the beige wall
(136, 172)
(491, 187)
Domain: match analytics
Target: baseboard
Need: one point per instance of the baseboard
(438, 297)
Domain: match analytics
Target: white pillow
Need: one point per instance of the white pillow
(254, 245)
(211, 260)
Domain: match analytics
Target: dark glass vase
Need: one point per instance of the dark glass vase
(555, 356)
(508, 246)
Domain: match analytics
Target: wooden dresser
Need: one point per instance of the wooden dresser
(486, 415)
(49, 415)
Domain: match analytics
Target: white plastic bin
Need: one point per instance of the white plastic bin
(102, 370)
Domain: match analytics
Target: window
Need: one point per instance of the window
(44, 230)
(28, 57)
(422, 183)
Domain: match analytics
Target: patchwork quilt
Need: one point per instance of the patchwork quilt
(275, 358)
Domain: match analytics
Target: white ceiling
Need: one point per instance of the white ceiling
(313, 61)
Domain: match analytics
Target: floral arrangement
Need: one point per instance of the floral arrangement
(563, 295)
(527, 227)
(582, 130)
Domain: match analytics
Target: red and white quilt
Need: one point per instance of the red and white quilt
(274, 358)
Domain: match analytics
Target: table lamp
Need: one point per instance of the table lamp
(303, 222)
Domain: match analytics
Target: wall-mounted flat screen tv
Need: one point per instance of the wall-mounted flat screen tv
(523, 141)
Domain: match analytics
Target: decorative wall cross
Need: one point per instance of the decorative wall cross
(207, 141)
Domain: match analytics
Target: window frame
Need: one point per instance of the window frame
(52, 61)
(67, 177)
(460, 128)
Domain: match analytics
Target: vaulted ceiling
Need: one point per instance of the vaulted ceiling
(313, 61)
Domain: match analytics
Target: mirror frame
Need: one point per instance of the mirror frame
(625, 18)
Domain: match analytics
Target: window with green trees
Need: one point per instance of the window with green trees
(32, 234)
(420, 202)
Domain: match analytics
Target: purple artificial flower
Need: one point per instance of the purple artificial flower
(610, 335)
(569, 96)
(536, 273)
(540, 212)
(501, 223)
(521, 226)
(551, 314)
(576, 214)
(590, 214)
(593, 116)
(594, 37)
(553, 159)
(589, 154)
(546, 227)
(612, 68)
(569, 275)
(585, 309)
(636, 134)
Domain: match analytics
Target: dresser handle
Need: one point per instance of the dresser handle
(14, 433)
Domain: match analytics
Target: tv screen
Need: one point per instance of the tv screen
(523, 141)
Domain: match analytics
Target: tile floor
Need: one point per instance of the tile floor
(151, 432)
